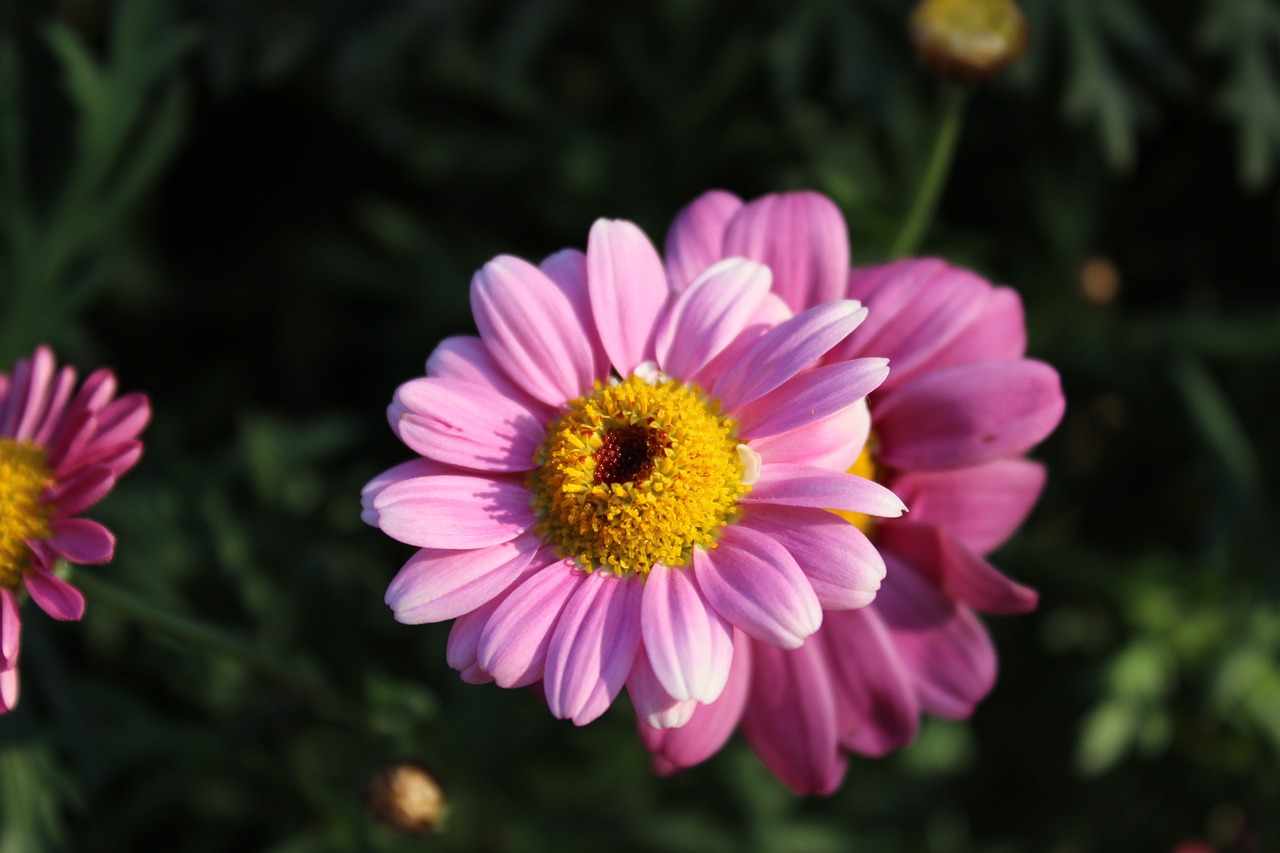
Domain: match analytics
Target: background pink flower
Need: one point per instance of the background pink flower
(616, 477)
(61, 451)
(948, 427)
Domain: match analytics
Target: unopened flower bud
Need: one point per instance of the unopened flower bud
(406, 798)
(968, 40)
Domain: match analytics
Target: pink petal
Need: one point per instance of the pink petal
(917, 313)
(513, 645)
(980, 506)
(568, 269)
(999, 331)
(707, 317)
(38, 394)
(82, 490)
(454, 511)
(943, 646)
(842, 565)
(8, 689)
(15, 403)
(81, 540)
(410, 470)
(628, 291)
(466, 359)
(784, 351)
(436, 585)
(10, 629)
(697, 236)
(802, 237)
(593, 646)
(55, 596)
(463, 647)
(711, 725)
(531, 330)
(654, 706)
(122, 420)
(688, 644)
(832, 442)
(96, 392)
(755, 584)
(968, 415)
(791, 720)
(799, 485)
(467, 425)
(63, 386)
(70, 439)
(875, 697)
(811, 396)
(959, 572)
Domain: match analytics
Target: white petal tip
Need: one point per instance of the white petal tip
(750, 464)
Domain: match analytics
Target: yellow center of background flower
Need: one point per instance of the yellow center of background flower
(863, 466)
(636, 474)
(23, 477)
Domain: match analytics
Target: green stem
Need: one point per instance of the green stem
(218, 643)
(920, 217)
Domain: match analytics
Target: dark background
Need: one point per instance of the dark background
(265, 213)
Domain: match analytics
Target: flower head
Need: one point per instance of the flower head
(947, 430)
(617, 475)
(968, 40)
(61, 451)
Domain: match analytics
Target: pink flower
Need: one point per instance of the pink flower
(948, 427)
(606, 472)
(59, 455)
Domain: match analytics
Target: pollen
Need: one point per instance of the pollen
(637, 473)
(24, 475)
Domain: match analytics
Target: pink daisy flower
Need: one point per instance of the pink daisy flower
(617, 475)
(948, 428)
(60, 453)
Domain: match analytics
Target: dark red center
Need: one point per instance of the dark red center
(626, 453)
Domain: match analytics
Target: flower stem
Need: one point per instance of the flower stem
(216, 642)
(920, 217)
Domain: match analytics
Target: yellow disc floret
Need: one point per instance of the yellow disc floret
(23, 478)
(637, 473)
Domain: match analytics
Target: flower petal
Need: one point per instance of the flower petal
(811, 396)
(875, 698)
(710, 726)
(784, 351)
(531, 330)
(980, 506)
(696, 237)
(959, 572)
(832, 442)
(942, 644)
(10, 629)
(513, 645)
(463, 648)
(410, 470)
(436, 585)
(802, 237)
(39, 388)
(82, 490)
(81, 540)
(842, 565)
(593, 646)
(999, 331)
(707, 317)
(453, 511)
(8, 689)
(55, 596)
(790, 719)
(688, 644)
(628, 291)
(467, 425)
(968, 415)
(568, 270)
(465, 358)
(754, 583)
(800, 485)
(654, 706)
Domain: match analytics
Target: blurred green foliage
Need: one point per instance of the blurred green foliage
(264, 214)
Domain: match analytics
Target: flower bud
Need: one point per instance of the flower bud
(406, 798)
(968, 40)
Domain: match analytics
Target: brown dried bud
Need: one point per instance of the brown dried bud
(968, 40)
(406, 798)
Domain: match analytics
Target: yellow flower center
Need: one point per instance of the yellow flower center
(637, 473)
(863, 466)
(23, 477)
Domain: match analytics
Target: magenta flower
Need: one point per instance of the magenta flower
(948, 428)
(618, 475)
(59, 455)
